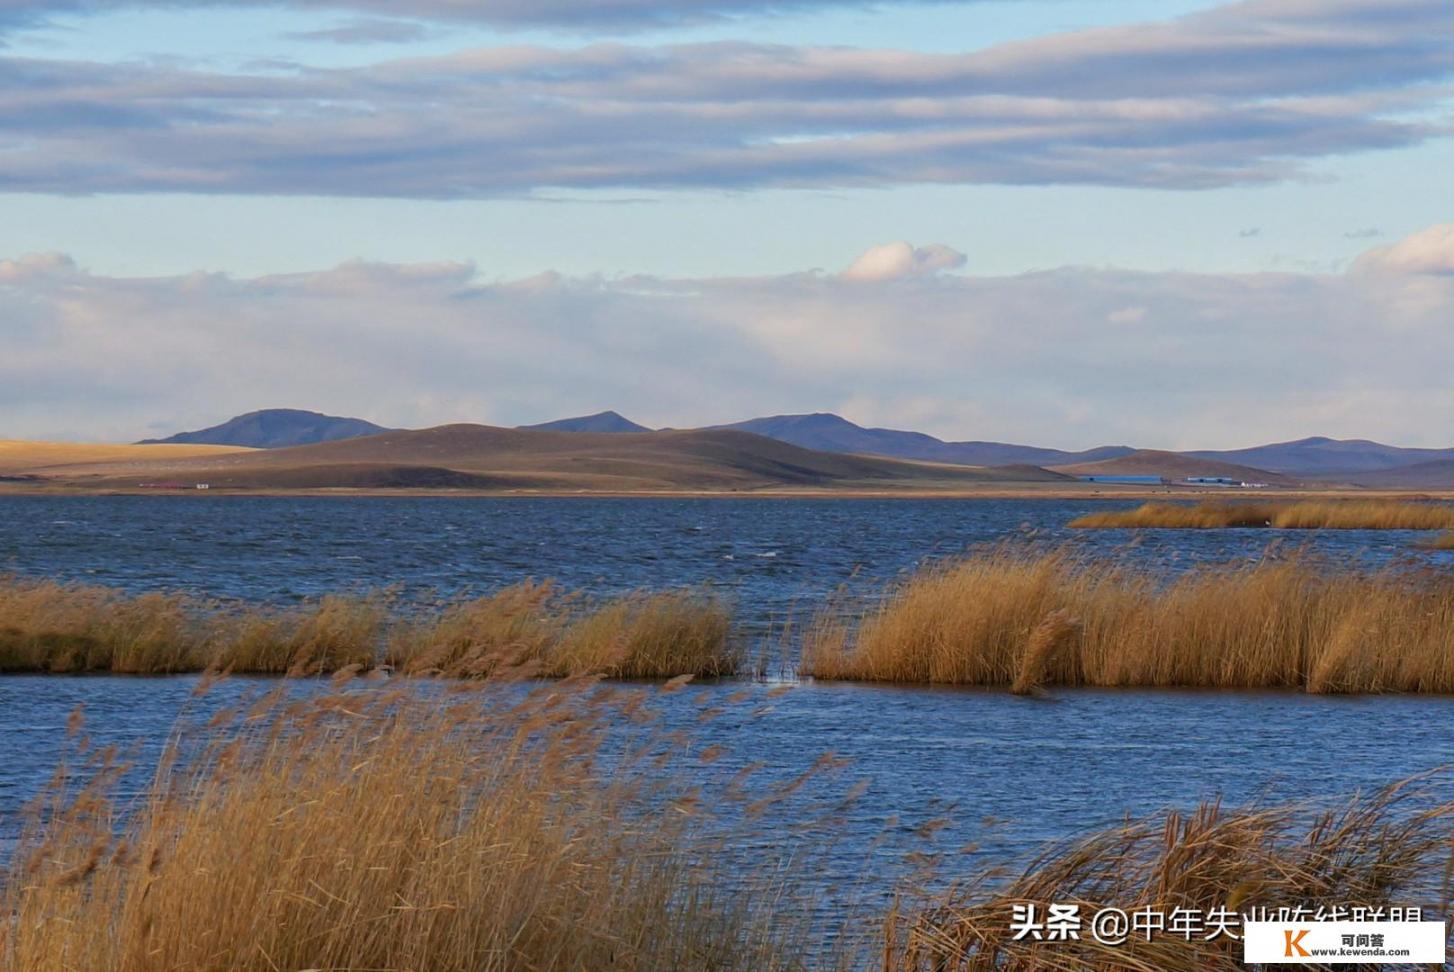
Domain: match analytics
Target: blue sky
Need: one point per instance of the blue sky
(711, 144)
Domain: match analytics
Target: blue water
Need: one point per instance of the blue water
(768, 552)
(1035, 769)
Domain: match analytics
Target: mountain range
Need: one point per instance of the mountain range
(482, 457)
(1346, 461)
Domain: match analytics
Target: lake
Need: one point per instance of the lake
(1040, 769)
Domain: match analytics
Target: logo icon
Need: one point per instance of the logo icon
(1293, 938)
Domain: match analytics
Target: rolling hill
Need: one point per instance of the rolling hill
(275, 428)
(486, 457)
(1173, 466)
(827, 432)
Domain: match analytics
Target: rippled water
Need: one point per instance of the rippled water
(769, 552)
(1043, 768)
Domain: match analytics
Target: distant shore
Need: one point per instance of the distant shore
(1048, 491)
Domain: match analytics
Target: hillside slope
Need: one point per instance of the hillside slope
(1423, 475)
(24, 459)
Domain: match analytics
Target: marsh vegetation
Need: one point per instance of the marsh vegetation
(492, 825)
(1323, 514)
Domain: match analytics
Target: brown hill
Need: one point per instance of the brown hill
(485, 457)
(1173, 466)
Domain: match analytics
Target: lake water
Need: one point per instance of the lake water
(1043, 769)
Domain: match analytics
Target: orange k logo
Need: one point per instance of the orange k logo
(1293, 942)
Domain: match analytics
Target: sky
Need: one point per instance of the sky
(1179, 224)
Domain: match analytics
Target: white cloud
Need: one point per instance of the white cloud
(1189, 360)
(34, 265)
(1430, 251)
(896, 261)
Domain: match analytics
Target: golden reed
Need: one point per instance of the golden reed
(376, 828)
(1390, 849)
(1288, 515)
(487, 827)
(1008, 618)
(528, 629)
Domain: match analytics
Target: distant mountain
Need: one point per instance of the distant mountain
(1320, 456)
(826, 432)
(487, 458)
(275, 428)
(1173, 465)
(600, 422)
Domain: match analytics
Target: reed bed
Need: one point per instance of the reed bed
(1444, 541)
(1024, 620)
(385, 829)
(489, 828)
(533, 629)
(530, 628)
(1299, 515)
(1385, 850)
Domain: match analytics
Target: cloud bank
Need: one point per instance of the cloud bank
(1242, 94)
(569, 15)
(1070, 357)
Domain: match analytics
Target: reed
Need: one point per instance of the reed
(1008, 618)
(1388, 849)
(1300, 515)
(392, 830)
(486, 828)
(1444, 541)
(69, 628)
(528, 629)
(644, 634)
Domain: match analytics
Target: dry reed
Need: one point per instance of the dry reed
(1002, 618)
(1300, 515)
(530, 628)
(391, 830)
(1389, 849)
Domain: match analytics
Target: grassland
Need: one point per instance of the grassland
(378, 828)
(529, 629)
(1326, 514)
(19, 457)
(1023, 620)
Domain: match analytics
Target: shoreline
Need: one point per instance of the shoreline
(1046, 491)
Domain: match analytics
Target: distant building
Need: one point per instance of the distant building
(1214, 481)
(1124, 480)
